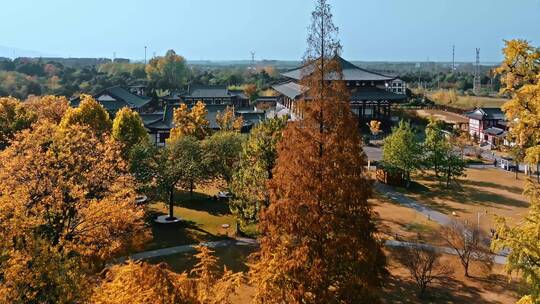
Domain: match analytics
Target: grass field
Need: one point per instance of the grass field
(482, 194)
(202, 219)
(491, 190)
(398, 222)
(483, 288)
(470, 102)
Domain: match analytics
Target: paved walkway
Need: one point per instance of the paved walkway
(402, 199)
(499, 259)
(187, 248)
(385, 190)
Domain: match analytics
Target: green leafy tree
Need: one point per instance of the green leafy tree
(250, 181)
(89, 113)
(168, 72)
(128, 128)
(402, 150)
(179, 164)
(222, 152)
(453, 166)
(435, 147)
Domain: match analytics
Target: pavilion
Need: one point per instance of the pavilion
(372, 94)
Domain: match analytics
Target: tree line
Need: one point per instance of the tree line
(23, 77)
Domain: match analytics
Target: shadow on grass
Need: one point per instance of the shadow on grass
(202, 202)
(401, 290)
(467, 192)
(474, 183)
(176, 234)
(233, 257)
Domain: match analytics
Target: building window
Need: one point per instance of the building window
(163, 137)
(399, 90)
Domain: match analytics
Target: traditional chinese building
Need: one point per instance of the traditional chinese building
(488, 125)
(117, 97)
(372, 94)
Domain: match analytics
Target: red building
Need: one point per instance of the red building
(488, 125)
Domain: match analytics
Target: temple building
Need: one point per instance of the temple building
(372, 94)
(117, 97)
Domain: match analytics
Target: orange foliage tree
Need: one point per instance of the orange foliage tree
(89, 113)
(49, 107)
(67, 205)
(227, 120)
(191, 122)
(137, 282)
(318, 243)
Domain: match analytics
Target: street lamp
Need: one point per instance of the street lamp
(478, 214)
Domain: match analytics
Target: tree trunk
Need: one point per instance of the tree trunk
(171, 202)
(191, 190)
(537, 173)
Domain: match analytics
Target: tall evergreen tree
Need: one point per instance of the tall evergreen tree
(318, 243)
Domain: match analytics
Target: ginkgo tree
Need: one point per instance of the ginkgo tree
(89, 113)
(140, 282)
(520, 72)
(14, 117)
(67, 205)
(190, 122)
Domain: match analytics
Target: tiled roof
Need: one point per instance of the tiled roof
(166, 120)
(216, 91)
(290, 89)
(486, 113)
(494, 131)
(349, 70)
(121, 97)
(375, 94)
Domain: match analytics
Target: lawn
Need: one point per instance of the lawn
(396, 221)
(481, 195)
(470, 102)
(399, 288)
(448, 117)
(483, 288)
(202, 219)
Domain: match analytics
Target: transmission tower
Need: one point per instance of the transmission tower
(476, 82)
(453, 58)
(253, 60)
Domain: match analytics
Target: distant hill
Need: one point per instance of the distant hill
(11, 52)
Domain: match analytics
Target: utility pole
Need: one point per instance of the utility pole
(253, 60)
(476, 81)
(145, 55)
(113, 56)
(453, 58)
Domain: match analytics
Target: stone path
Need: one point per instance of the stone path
(402, 199)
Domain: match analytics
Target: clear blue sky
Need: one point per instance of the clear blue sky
(391, 30)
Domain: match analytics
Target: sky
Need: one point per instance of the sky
(374, 30)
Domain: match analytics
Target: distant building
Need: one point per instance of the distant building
(214, 95)
(488, 125)
(372, 94)
(117, 97)
(160, 122)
